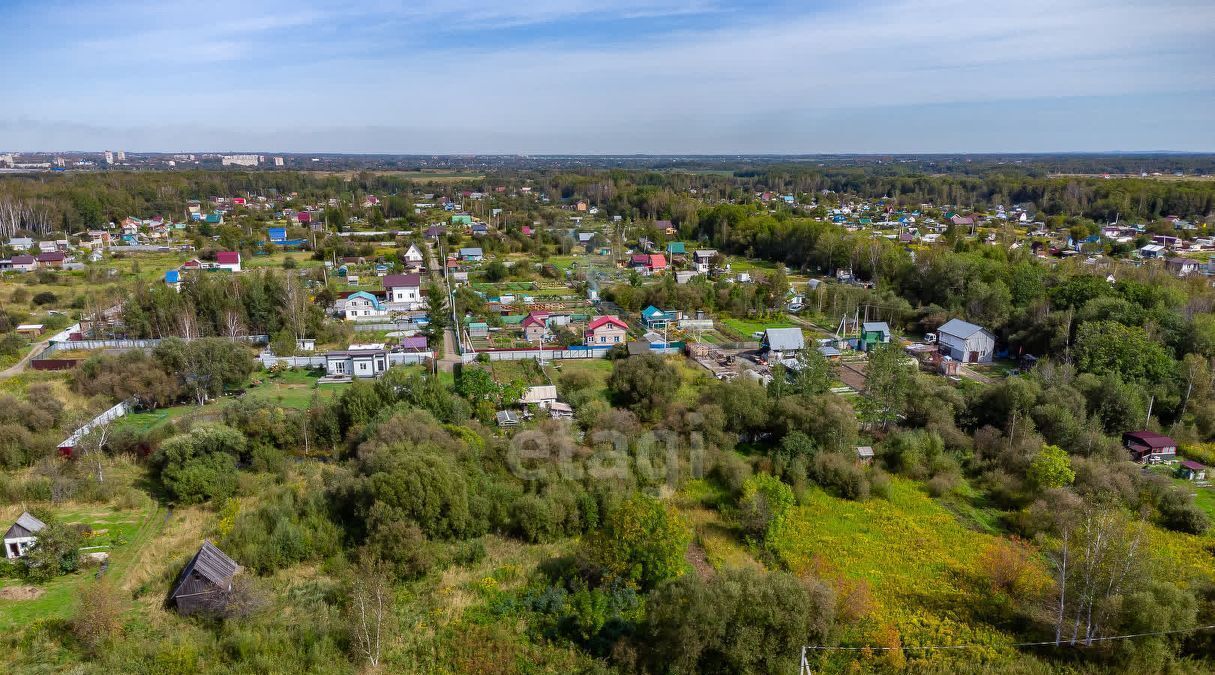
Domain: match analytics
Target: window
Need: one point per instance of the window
(616, 339)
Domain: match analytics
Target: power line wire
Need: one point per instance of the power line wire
(1061, 643)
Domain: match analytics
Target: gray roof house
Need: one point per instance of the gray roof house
(22, 535)
(782, 343)
(966, 342)
(205, 581)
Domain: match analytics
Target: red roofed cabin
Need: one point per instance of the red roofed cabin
(1149, 446)
(649, 263)
(228, 260)
(606, 330)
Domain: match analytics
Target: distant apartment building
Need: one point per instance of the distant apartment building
(240, 160)
(278, 161)
(109, 157)
(122, 156)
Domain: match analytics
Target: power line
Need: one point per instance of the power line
(1048, 643)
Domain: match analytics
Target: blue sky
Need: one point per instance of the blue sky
(629, 76)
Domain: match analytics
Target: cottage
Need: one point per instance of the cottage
(30, 329)
(22, 536)
(675, 248)
(404, 289)
(864, 454)
(205, 583)
(474, 254)
(363, 304)
(702, 260)
(874, 333)
(543, 395)
(368, 360)
(21, 243)
(535, 326)
(1182, 266)
(1191, 470)
(605, 330)
(276, 235)
(1149, 446)
(228, 260)
(657, 319)
(782, 343)
(51, 259)
(412, 257)
(966, 342)
(173, 279)
(24, 263)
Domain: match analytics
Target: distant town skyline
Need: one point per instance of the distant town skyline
(632, 76)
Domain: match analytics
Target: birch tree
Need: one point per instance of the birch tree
(369, 609)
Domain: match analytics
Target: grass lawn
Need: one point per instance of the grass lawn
(746, 327)
(292, 388)
(123, 533)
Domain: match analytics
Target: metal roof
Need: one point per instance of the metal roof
(875, 327)
(782, 339)
(959, 328)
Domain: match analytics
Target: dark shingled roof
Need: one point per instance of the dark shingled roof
(211, 564)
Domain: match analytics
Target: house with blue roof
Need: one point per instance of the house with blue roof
(361, 304)
(676, 248)
(215, 218)
(655, 318)
(173, 279)
(277, 235)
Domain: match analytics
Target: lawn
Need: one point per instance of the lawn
(121, 532)
(292, 388)
(747, 327)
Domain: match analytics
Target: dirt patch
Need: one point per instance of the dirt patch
(699, 560)
(21, 593)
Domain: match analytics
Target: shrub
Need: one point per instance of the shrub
(840, 475)
(642, 543)
(740, 621)
(764, 506)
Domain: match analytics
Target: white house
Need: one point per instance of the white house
(782, 343)
(404, 289)
(966, 342)
(362, 304)
(22, 535)
(369, 360)
(413, 257)
(542, 395)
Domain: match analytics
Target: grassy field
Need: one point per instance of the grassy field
(913, 554)
(123, 533)
(746, 327)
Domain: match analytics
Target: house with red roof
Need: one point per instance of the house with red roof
(51, 259)
(1149, 446)
(534, 326)
(648, 263)
(228, 260)
(606, 330)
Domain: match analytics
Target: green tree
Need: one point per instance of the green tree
(642, 542)
(646, 384)
(1110, 347)
(436, 308)
(1051, 468)
(763, 508)
(740, 621)
(887, 384)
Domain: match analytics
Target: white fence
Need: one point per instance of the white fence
(145, 343)
(104, 418)
(554, 354)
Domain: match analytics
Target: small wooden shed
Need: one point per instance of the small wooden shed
(205, 582)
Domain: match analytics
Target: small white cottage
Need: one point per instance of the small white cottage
(22, 535)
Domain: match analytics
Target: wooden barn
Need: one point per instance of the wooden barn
(205, 582)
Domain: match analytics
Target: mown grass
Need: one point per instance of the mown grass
(745, 328)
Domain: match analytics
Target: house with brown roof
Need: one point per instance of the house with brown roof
(1149, 446)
